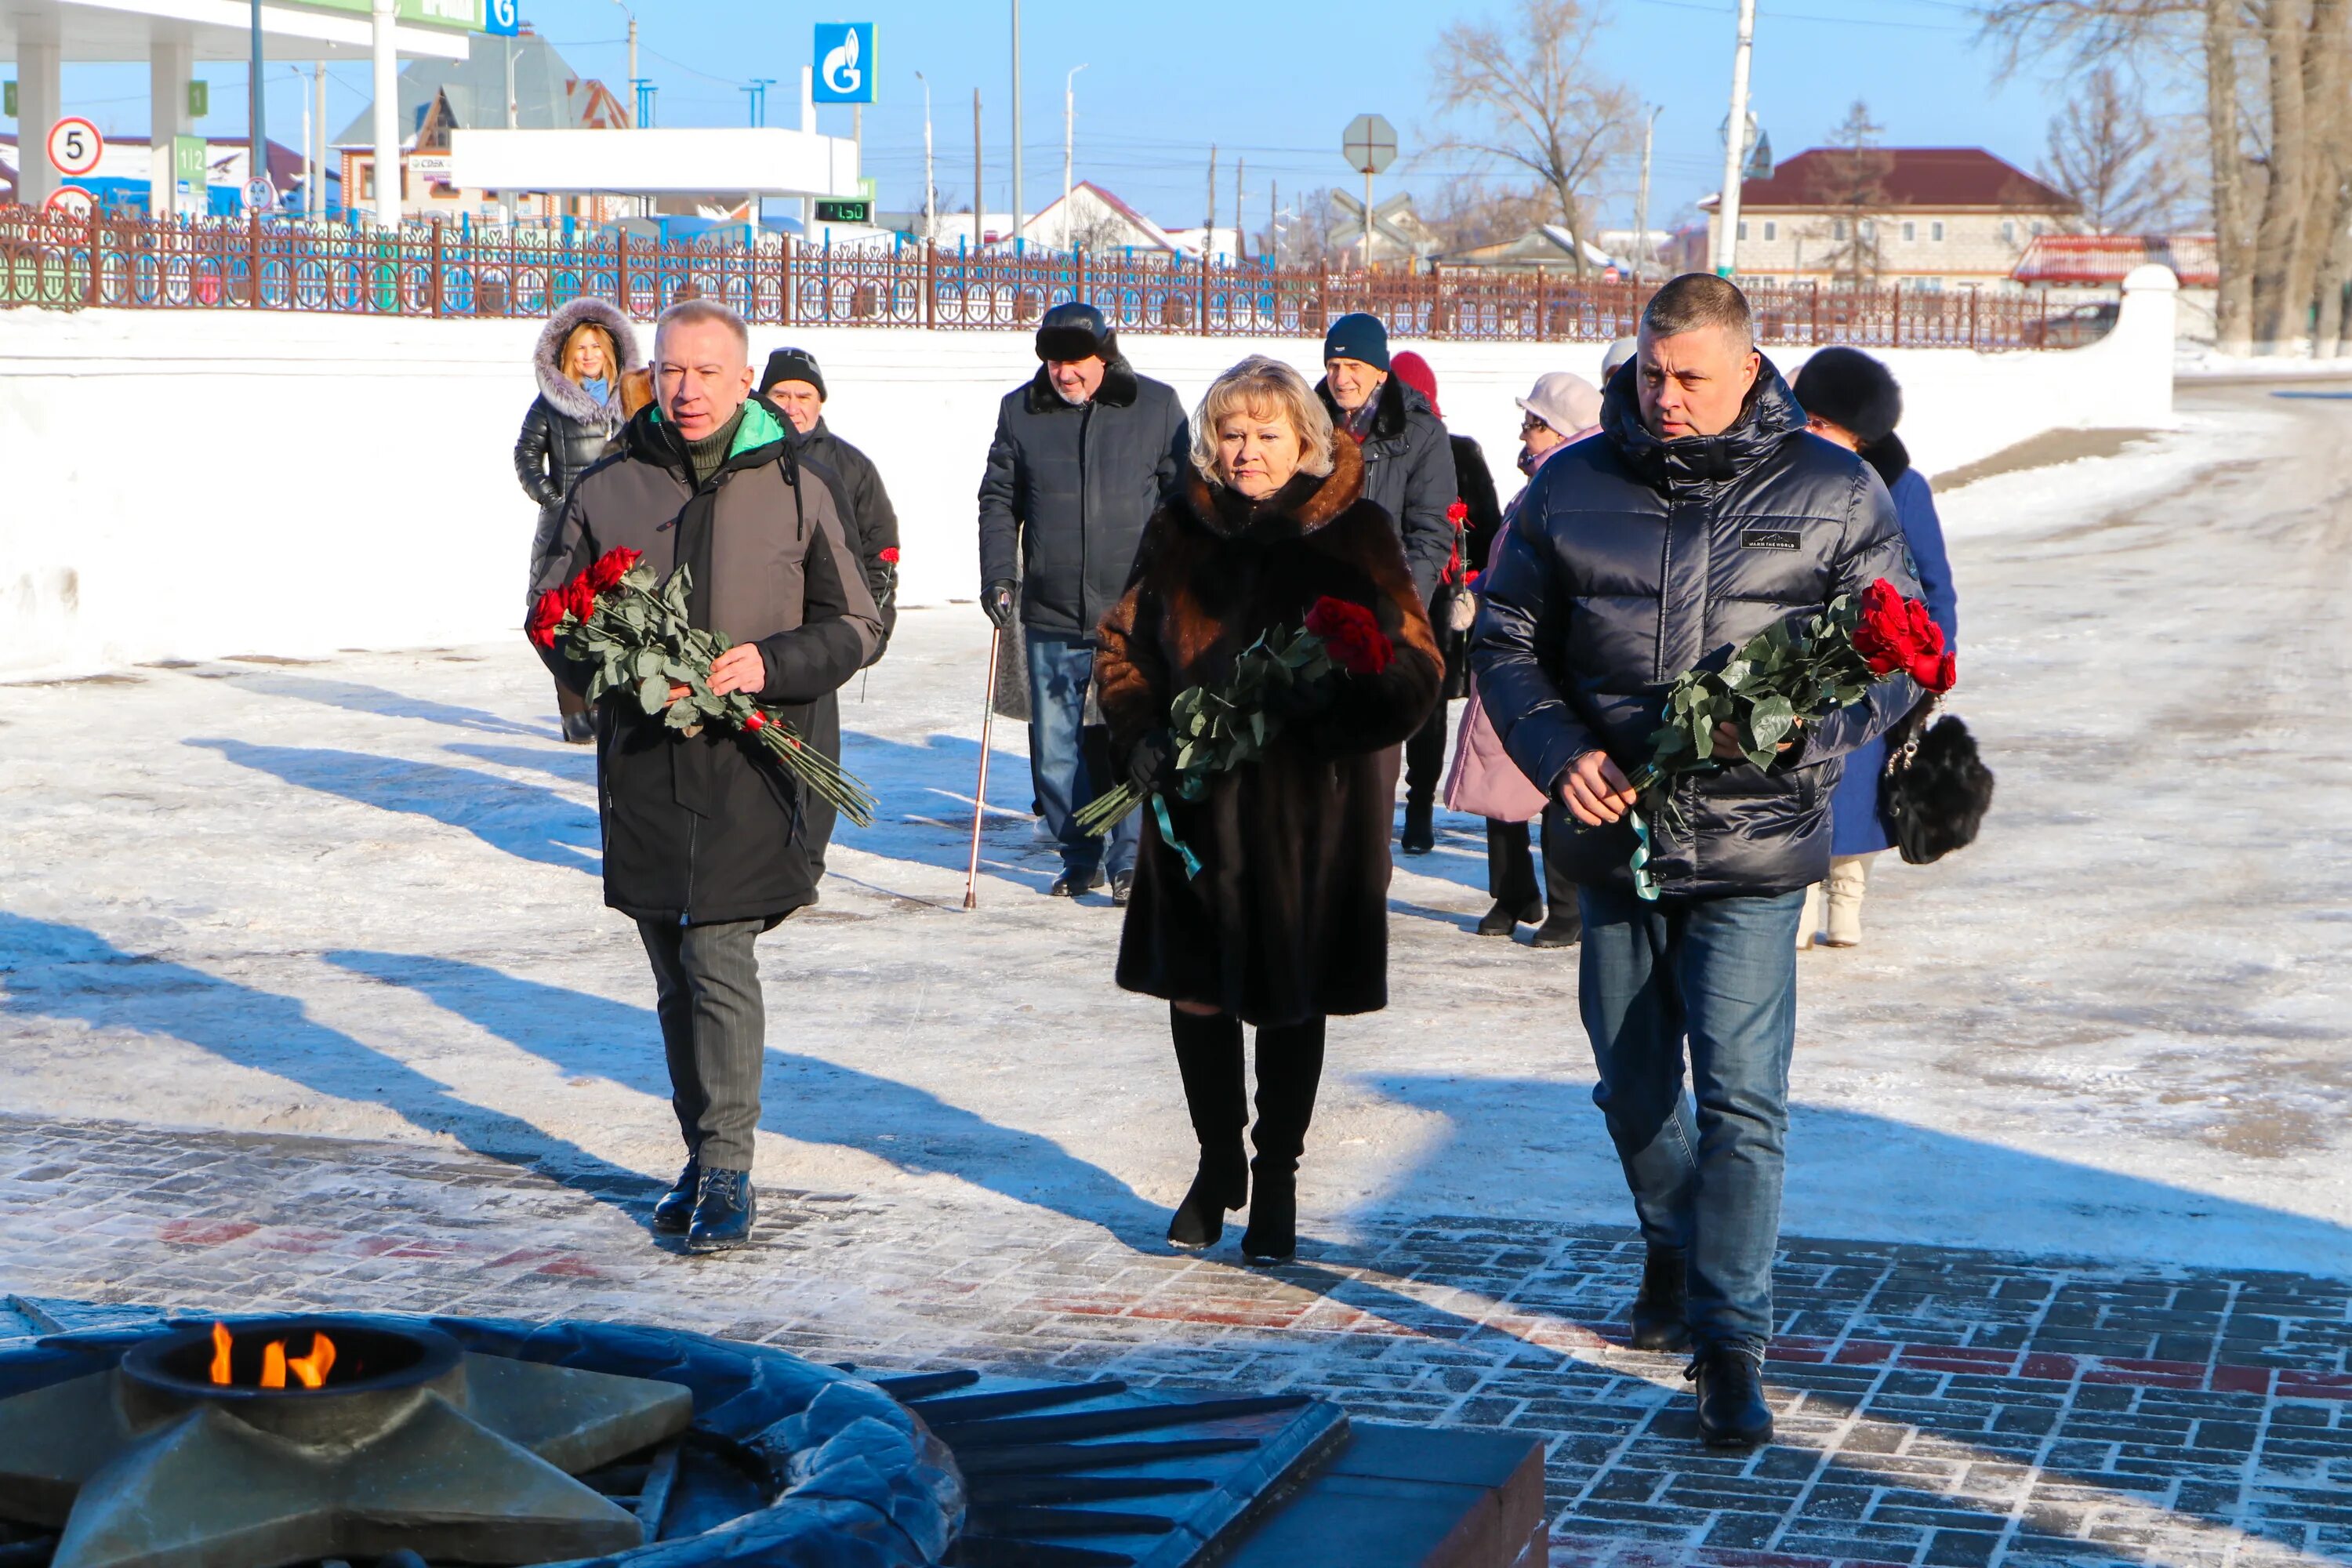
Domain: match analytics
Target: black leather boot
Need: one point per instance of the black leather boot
(1503, 920)
(675, 1209)
(1289, 1066)
(1564, 927)
(1730, 1382)
(1657, 1313)
(723, 1212)
(1420, 827)
(1209, 1056)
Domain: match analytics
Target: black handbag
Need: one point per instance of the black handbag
(1935, 790)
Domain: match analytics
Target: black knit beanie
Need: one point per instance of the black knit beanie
(793, 364)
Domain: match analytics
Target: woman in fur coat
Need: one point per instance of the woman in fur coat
(1287, 920)
(582, 353)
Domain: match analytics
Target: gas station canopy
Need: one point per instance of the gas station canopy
(764, 161)
(115, 31)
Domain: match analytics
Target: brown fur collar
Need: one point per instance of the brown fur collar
(1302, 506)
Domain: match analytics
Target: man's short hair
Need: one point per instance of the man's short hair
(1697, 300)
(691, 312)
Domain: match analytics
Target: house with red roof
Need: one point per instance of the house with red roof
(1926, 218)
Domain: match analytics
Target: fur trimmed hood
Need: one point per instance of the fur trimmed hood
(561, 393)
(1307, 503)
(1119, 388)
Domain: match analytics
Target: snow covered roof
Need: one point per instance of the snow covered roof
(549, 94)
(2108, 258)
(1545, 245)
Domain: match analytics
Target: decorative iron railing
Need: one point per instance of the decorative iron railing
(61, 262)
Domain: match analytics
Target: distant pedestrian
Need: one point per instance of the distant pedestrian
(1085, 452)
(1702, 515)
(1560, 409)
(1473, 516)
(1852, 399)
(796, 386)
(1407, 474)
(582, 354)
(1616, 357)
(707, 843)
(1287, 922)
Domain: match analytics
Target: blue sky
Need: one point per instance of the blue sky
(1273, 84)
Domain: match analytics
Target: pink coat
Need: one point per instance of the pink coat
(1485, 782)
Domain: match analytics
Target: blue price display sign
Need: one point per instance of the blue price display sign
(502, 18)
(844, 62)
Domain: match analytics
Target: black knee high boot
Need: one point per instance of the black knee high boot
(1289, 1065)
(1209, 1055)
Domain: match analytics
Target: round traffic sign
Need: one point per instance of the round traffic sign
(1369, 144)
(260, 196)
(75, 146)
(71, 201)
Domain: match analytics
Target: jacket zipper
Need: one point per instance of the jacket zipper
(1086, 425)
(685, 915)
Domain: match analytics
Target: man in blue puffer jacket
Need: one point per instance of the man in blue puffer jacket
(1704, 514)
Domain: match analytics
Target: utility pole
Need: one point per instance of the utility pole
(1241, 179)
(1734, 148)
(930, 217)
(317, 196)
(979, 189)
(311, 172)
(1274, 218)
(1642, 205)
(1208, 227)
(1069, 130)
(385, 115)
(1016, 125)
(259, 169)
(632, 15)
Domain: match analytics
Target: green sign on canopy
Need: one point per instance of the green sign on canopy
(468, 16)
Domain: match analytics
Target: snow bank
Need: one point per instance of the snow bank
(188, 484)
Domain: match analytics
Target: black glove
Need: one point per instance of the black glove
(997, 600)
(1151, 766)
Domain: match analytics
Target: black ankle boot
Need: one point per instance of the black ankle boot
(1658, 1313)
(1502, 919)
(1420, 827)
(1729, 1383)
(675, 1209)
(724, 1212)
(1216, 1093)
(1289, 1066)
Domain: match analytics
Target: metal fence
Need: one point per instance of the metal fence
(61, 262)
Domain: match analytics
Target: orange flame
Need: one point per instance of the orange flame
(220, 1354)
(311, 1370)
(273, 1365)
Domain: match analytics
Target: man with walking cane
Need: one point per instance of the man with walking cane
(1084, 452)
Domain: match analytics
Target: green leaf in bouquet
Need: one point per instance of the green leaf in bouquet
(1184, 754)
(1770, 722)
(653, 693)
(647, 664)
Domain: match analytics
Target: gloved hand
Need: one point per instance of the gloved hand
(1466, 610)
(997, 600)
(1151, 766)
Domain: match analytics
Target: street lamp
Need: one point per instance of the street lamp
(930, 221)
(632, 15)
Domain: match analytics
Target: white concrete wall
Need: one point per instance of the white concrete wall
(188, 484)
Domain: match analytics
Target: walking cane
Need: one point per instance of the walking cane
(980, 792)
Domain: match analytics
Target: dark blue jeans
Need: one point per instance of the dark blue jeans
(1070, 765)
(1720, 974)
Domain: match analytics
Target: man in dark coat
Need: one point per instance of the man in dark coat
(1085, 452)
(795, 384)
(1704, 514)
(707, 841)
(1407, 474)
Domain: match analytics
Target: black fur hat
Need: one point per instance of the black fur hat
(1849, 388)
(1075, 330)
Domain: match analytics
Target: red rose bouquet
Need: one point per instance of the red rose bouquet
(634, 636)
(1796, 672)
(1219, 728)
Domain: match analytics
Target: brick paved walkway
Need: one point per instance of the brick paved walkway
(1938, 1407)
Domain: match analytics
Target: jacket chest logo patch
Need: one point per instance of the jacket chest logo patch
(1769, 538)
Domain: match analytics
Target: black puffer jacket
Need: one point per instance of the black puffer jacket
(565, 429)
(874, 523)
(1633, 559)
(1407, 474)
(1073, 486)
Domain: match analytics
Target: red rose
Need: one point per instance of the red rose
(1351, 634)
(1899, 634)
(579, 598)
(611, 567)
(1947, 674)
(1458, 513)
(545, 616)
(891, 556)
(758, 721)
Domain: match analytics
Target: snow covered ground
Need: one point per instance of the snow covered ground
(356, 897)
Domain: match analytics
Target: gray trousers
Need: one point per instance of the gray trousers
(715, 1032)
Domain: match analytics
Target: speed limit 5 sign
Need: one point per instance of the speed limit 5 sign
(75, 147)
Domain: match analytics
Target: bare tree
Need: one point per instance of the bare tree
(1527, 93)
(2109, 154)
(1470, 212)
(1858, 168)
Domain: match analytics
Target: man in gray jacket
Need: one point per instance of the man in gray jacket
(1702, 515)
(708, 841)
(1085, 451)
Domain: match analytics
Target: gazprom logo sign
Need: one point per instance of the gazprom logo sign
(844, 62)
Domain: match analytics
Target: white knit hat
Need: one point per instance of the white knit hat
(1564, 401)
